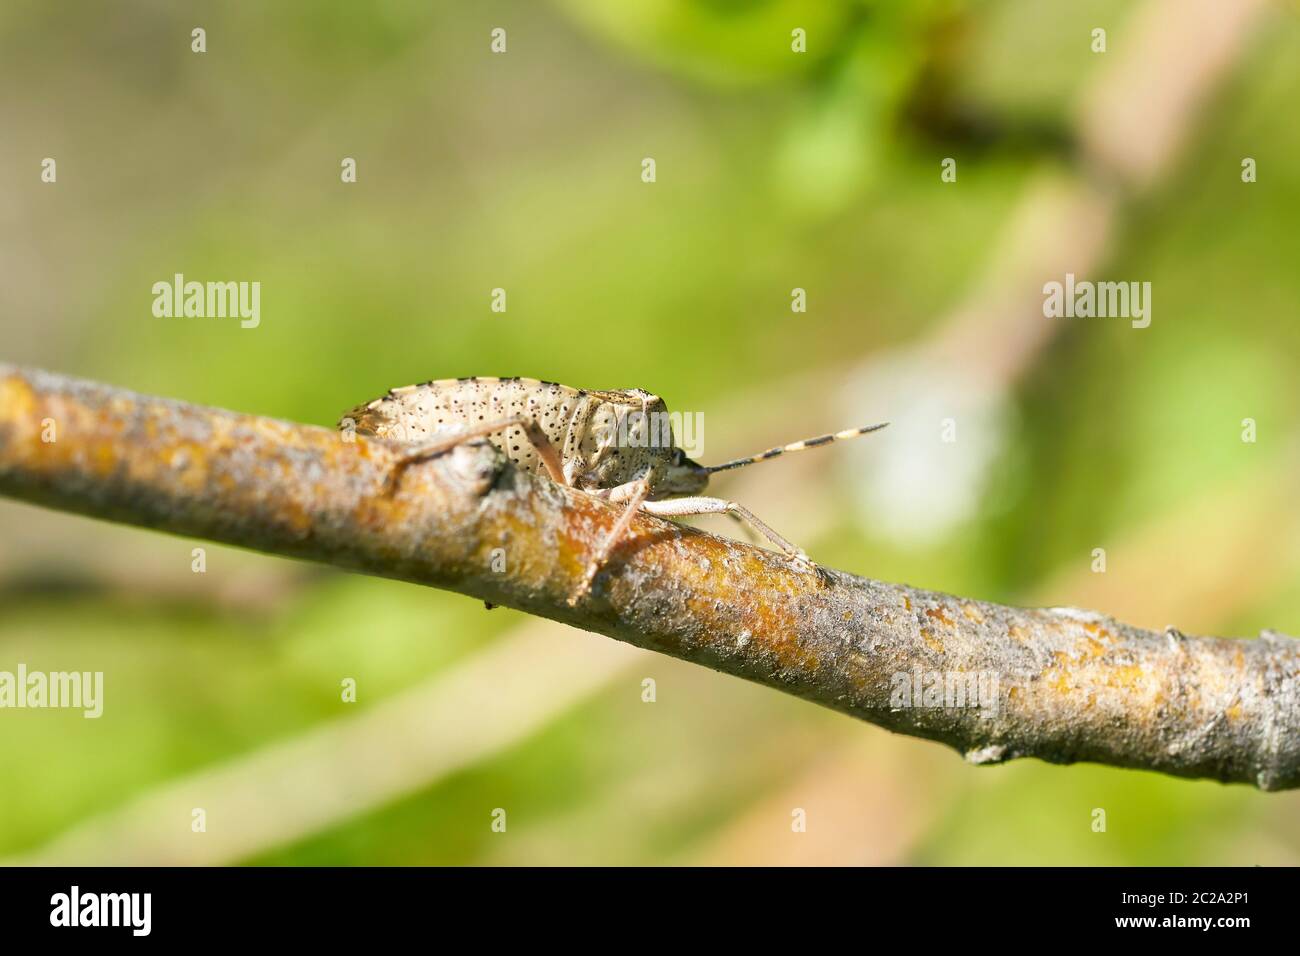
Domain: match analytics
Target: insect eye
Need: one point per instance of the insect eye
(678, 456)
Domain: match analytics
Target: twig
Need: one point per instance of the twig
(1059, 684)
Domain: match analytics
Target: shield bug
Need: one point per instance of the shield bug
(606, 443)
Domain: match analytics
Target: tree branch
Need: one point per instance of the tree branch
(1059, 684)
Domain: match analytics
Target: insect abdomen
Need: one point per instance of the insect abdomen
(584, 426)
(439, 409)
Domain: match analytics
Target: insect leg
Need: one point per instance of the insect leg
(680, 507)
(545, 450)
(634, 493)
(750, 536)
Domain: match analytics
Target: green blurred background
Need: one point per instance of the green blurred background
(522, 171)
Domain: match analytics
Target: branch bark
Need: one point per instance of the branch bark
(1059, 684)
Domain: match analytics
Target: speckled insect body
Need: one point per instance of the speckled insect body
(606, 443)
(604, 439)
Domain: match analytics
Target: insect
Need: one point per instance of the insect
(613, 444)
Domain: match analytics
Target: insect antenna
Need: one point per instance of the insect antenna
(796, 446)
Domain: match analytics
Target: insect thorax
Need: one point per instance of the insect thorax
(604, 438)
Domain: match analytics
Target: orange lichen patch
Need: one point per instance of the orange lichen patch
(928, 636)
(907, 602)
(1124, 676)
(1233, 713)
(1093, 647)
(104, 459)
(295, 517)
(772, 626)
(778, 638)
(938, 614)
(188, 464)
(1058, 681)
(1057, 675)
(729, 573)
(18, 406)
(1098, 631)
(1017, 633)
(972, 613)
(1141, 690)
